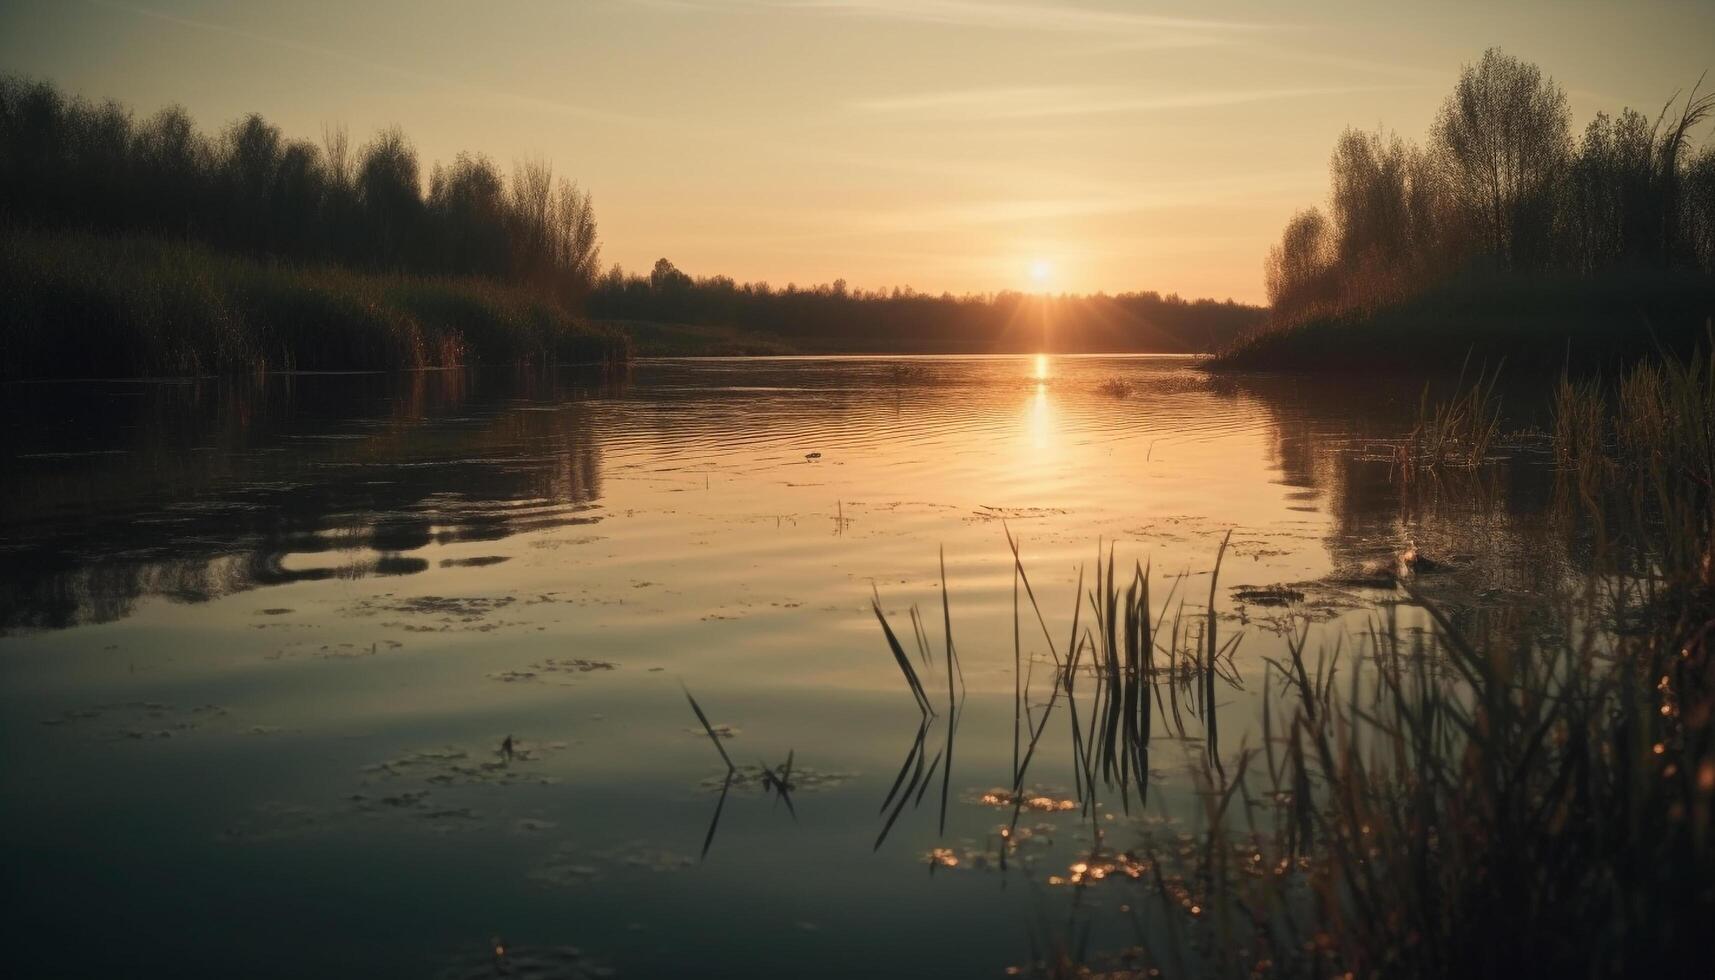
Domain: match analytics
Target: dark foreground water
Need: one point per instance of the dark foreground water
(261, 645)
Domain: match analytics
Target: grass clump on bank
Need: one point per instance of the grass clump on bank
(82, 305)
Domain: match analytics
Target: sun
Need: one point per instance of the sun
(1041, 271)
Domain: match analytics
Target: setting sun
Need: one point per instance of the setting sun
(1041, 271)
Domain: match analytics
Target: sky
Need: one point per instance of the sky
(949, 145)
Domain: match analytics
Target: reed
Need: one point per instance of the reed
(80, 305)
(914, 780)
(1475, 798)
(1459, 431)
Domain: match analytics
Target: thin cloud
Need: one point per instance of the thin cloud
(1023, 16)
(1034, 211)
(1036, 102)
(419, 78)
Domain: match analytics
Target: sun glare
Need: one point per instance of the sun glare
(1041, 271)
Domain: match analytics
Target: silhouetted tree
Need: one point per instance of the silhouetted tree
(1502, 137)
(70, 164)
(468, 203)
(390, 192)
(1298, 273)
(1501, 187)
(835, 316)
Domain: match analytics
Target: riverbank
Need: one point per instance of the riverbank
(81, 305)
(1532, 324)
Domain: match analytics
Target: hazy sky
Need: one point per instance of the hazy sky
(945, 144)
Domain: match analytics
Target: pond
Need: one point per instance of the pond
(387, 675)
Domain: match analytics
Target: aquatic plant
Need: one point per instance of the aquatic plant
(1639, 467)
(1485, 795)
(1458, 431)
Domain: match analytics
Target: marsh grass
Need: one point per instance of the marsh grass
(1473, 792)
(1458, 431)
(1638, 461)
(1457, 801)
(1537, 324)
(81, 305)
(914, 778)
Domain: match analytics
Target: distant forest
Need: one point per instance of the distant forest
(1502, 190)
(70, 165)
(835, 318)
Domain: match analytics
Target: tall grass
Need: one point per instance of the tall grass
(1639, 461)
(1458, 431)
(82, 305)
(1513, 794)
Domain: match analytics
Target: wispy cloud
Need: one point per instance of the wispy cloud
(341, 57)
(1066, 18)
(1133, 28)
(1035, 102)
(1035, 211)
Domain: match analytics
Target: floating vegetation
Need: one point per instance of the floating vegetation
(757, 777)
(1039, 801)
(1273, 595)
(332, 651)
(722, 730)
(277, 820)
(139, 721)
(447, 613)
(457, 766)
(1005, 846)
(1102, 866)
(1116, 387)
(986, 512)
(552, 665)
(569, 864)
(943, 857)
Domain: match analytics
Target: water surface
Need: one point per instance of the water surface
(263, 643)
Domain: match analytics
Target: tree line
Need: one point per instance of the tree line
(833, 316)
(1501, 188)
(66, 163)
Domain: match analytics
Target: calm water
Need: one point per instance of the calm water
(262, 645)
